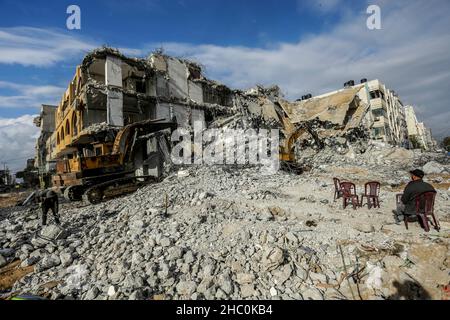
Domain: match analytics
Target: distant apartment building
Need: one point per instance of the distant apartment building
(431, 142)
(5, 177)
(411, 121)
(387, 111)
(419, 136)
(422, 130)
(45, 145)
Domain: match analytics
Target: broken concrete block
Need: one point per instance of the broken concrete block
(248, 290)
(92, 293)
(3, 261)
(375, 277)
(52, 233)
(48, 262)
(433, 167)
(272, 258)
(112, 291)
(273, 292)
(243, 278)
(29, 261)
(186, 288)
(158, 62)
(183, 174)
(365, 227)
(283, 274)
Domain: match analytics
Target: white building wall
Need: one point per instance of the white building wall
(411, 121)
(113, 78)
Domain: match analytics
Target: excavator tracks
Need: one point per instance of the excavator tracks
(115, 188)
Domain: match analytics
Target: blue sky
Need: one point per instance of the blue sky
(304, 46)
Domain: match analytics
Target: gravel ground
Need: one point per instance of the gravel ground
(233, 233)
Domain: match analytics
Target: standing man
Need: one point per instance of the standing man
(407, 205)
(48, 200)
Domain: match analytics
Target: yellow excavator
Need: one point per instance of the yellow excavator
(291, 134)
(111, 170)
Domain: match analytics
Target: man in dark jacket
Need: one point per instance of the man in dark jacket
(407, 205)
(48, 199)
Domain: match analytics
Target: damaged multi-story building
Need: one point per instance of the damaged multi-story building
(110, 91)
(111, 94)
(45, 144)
(386, 119)
(29, 175)
(5, 177)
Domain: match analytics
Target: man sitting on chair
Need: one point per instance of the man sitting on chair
(407, 205)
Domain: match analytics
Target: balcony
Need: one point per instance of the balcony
(379, 121)
(378, 103)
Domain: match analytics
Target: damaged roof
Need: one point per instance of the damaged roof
(157, 58)
(341, 108)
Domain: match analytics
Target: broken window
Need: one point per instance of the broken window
(195, 72)
(378, 112)
(98, 151)
(376, 94)
(141, 86)
(88, 153)
(74, 125)
(377, 132)
(67, 128)
(216, 95)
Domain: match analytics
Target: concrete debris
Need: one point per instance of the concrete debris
(29, 261)
(433, 167)
(213, 243)
(48, 262)
(272, 258)
(52, 233)
(375, 279)
(3, 261)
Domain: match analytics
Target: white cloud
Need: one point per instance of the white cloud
(17, 140)
(39, 47)
(26, 96)
(410, 54)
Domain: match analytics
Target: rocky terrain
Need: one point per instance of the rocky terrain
(234, 233)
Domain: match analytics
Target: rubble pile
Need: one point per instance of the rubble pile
(230, 233)
(96, 128)
(369, 154)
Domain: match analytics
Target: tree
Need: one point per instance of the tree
(416, 144)
(446, 144)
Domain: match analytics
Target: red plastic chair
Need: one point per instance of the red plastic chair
(425, 208)
(337, 189)
(372, 194)
(349, 193)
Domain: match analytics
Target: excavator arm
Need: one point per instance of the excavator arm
(292, 134)
(125, 139)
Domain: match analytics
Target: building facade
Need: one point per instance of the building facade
(386, 117)
(389, 124)
(419, 135)
(110, 91)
